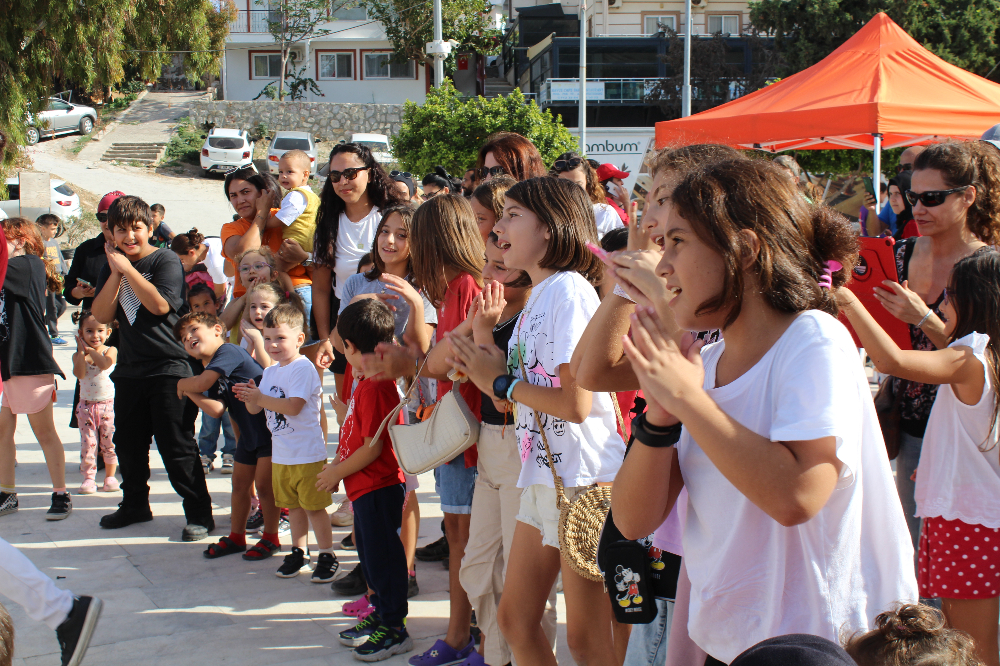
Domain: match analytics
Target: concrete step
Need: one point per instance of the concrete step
(146, 161)
(137, 153)
(137, 145)
(144, 153)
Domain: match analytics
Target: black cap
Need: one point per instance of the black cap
(795, 650)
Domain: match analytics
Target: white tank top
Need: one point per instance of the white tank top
(956, 479)
(96, 385)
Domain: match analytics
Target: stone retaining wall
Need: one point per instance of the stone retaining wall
(327, 121)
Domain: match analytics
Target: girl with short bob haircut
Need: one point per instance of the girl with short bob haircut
(487, 203)
(546, 226)
(511, 154)
(771, 430)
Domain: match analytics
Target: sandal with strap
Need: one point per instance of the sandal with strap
(226, 546)
(260, 550)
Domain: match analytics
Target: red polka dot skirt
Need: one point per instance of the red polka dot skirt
(958, 560)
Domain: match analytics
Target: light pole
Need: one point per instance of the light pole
(438, 49)
(582, 123)
(686, 85)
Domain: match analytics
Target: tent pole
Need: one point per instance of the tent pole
(877, 172)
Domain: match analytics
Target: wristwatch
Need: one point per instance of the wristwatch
(502, 384)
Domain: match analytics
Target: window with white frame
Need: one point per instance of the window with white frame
(336, 65)
(652, 23)
(727, 24)
(266, 65)
(377, 66)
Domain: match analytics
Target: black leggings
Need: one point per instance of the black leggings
(712, 661)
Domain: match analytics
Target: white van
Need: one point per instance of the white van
(378, 144)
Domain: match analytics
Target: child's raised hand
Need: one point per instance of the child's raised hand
(81, 346)
(639, 235)
(338, 407)
(491, 304)
(117, 261)
(480, 363)
(401, 288)
(635, 272)
(248, 392)
(669, 374)
(250, 332)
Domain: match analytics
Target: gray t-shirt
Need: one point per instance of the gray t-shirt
(359, 284)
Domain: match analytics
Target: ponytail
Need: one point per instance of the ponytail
(184, 243)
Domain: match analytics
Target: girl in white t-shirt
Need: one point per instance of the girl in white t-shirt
(545, 227)
(958, 477)
(792, 522)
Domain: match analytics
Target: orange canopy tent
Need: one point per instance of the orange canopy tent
(880, 89)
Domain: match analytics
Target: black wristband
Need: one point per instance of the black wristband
(655, 436)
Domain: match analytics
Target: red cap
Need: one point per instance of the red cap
(107, 200)
(606, 171)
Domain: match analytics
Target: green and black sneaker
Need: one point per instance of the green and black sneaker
(383, 643)
(361, 631)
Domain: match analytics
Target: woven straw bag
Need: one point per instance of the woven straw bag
(449, 430)
(582, 520)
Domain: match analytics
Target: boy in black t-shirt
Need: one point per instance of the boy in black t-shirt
(143, 288)
(225, 365)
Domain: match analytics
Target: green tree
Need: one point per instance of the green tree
(409, 25)
(449, 129)
(806, 31)
(47, 46)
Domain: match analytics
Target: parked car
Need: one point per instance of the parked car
(378, 144)
(64, 202)
(225, 150)
(285, 141)
(61, 117)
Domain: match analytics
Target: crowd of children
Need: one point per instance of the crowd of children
(692, 357)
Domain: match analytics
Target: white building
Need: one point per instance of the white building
(351, 64)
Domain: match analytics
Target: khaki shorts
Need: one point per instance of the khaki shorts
(295, 487)
(538, 509)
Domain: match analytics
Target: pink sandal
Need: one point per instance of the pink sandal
(359, 608)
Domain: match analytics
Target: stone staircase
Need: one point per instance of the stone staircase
(148, 154)
(498, 87)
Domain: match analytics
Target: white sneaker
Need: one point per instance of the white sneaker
(206, 464)
(227, 463)
(344, 515)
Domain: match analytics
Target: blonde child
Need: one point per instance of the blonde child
(297, 214)
(27, 366)
(92, 365)
(290, 392)
(254, 267)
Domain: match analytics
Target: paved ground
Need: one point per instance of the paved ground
(165, 603)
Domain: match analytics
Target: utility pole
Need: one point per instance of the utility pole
(686, 85)
(438, 49)
(582, 123)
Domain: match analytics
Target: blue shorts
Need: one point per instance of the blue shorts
(305, 293)
(455, 483)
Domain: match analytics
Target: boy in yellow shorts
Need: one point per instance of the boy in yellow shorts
(290, 395)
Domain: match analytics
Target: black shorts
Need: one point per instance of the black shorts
(245, 457)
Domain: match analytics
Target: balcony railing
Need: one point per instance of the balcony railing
(253, 20)
(609, 91)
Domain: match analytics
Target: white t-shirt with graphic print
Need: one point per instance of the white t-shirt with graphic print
(295, 440)
(551, 324)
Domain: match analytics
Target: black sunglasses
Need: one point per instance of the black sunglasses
(392, 174)
(933, 197)
(900, 168)
(349, 174)
(567, 165)
(486, 172)
(102, 217)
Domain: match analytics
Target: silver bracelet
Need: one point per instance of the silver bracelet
(925, 317)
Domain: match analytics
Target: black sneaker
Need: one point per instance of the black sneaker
(326, 567)
(383, 643)
(8, 503)
(75, 631)
(347, 543)
(61, 507)
(123, 518)
(294, 562)
(412, 589)
(359, 633)
(352, 584)
(434, 552)
(198, 531)
(255, 521)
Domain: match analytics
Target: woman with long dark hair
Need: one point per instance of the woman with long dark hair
(357, 190)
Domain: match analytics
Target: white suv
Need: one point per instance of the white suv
(225, 150)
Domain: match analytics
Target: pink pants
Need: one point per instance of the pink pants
(97, 427)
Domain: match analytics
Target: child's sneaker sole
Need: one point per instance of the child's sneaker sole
(392, 650)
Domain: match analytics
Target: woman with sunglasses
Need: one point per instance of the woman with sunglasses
(508, 153)
(356, 191)
(571, 166)
(955, 197)
(440, 182)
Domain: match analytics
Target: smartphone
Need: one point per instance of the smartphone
(869, 186)
(84, 283)
(600, 253)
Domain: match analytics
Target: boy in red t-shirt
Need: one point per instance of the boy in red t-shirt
(375, 486)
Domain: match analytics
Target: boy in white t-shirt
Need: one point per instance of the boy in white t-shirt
(291, 395)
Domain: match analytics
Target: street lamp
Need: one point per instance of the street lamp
(438, 49)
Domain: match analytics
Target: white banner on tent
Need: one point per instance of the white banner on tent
(624, 147)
